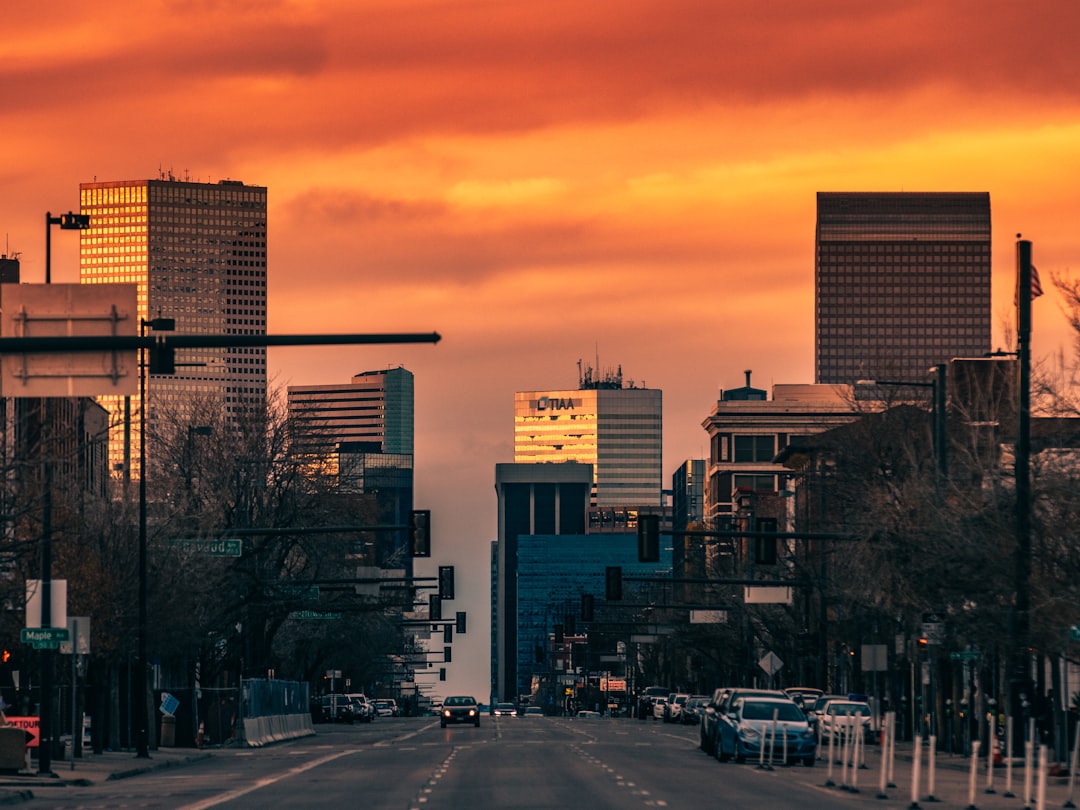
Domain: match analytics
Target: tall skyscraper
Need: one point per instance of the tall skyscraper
(617, 429)
(197, 253)
(902, 283)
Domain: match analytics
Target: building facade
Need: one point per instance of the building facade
(197, 253)
(533, 499)
(902, 283)
(747, 432)
(362, 431)
(615, 429)
(373, 411)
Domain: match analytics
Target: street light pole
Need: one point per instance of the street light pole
(142, 719)
(68, 221)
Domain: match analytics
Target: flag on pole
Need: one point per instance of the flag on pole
(1036, 285)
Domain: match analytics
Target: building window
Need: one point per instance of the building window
(754, 448)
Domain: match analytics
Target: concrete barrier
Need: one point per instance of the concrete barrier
(260, 731)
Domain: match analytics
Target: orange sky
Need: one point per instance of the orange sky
(548, 182)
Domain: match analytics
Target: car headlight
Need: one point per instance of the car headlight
(749, 733)
(446, 712)
(472, 712)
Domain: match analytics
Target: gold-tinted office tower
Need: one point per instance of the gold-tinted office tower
(197, 253)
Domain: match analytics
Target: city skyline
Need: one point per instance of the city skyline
(546, 184)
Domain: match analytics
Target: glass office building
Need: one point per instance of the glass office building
(553, 571)
(197, 254)
(902, 283)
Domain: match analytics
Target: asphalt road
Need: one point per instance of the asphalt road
(508, 763)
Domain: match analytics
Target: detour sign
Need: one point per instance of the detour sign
(30, 726)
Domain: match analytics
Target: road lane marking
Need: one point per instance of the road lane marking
(261, 783)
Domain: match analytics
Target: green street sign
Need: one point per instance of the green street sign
(965, 655)
(314, 614)
(44, 638)
(215, 547)
(1074, 632)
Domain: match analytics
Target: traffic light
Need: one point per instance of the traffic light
(420, 533)
(559, 635)
(460, 622)
(613, 581)
(162, 358)
(446, 582)
(570, 624)
(442, 673)
(446, 654)
(434, 608)
(587, 607)
(74, 222)
(648, 538)
(538, 654)
(447, 633)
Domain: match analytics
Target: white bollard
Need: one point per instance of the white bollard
(931, 769)
(857, 747)
(783, 729)
(973, 777)
(1029, 752)
(916, 762)
(1044, 767)
(832, 742)
(1074, 763)
(1008, 757)
(883, 779)
(892, 749)
(991, 749)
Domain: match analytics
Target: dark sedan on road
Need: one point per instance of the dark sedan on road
(460, 709)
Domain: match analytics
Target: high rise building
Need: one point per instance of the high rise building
(902, 283)
(616, 428)
(363, 432)
(197, 253)
(374, 410)
(534, 499)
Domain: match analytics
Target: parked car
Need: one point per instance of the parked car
(749, 724)
(691, 712)
(659, 706)
(459, 709)
(533, 711)
(674, 709)
(646, 698)
(721, 703)
(336, 709)
(504, 710)
(835, 721)
(386, 708)
(804, 696)
(813, 713)
(363, 709)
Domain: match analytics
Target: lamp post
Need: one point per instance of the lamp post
(69, 222)
(142, 732)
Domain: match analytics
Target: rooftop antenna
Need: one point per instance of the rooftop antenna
(748, 372)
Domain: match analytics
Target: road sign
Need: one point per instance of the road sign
(965, 655)
(44, 638)
(30, 726)
(933, 628)
(169, 704)
(215, 547)
(1074, 632)
(771, 663)
(314, 614)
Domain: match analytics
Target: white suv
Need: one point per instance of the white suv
(675, 708)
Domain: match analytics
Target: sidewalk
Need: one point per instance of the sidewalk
(91, 769)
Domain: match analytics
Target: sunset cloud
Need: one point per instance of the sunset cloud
(628, 183)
